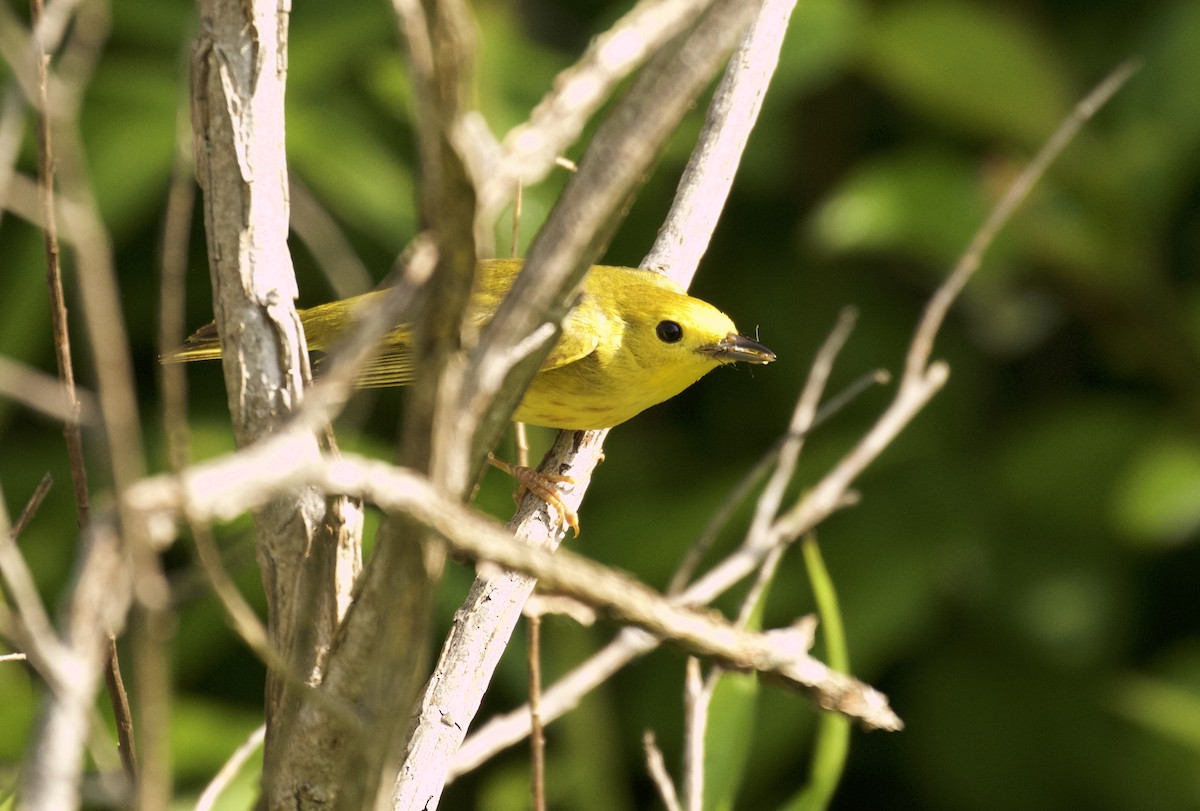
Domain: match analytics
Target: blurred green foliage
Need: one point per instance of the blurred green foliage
(1020, 576)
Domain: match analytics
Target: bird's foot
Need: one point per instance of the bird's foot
(542, 486)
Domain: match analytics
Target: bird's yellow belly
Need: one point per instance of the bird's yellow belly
(581, 396)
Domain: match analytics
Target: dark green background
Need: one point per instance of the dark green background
(1021, 577)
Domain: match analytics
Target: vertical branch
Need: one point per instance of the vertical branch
(239, 70)
(731, 116)
(72, 431)
(58, 305)
(380, 655)
(537, 741)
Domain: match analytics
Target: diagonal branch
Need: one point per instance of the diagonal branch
(247, 479)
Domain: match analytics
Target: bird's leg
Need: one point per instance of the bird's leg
(542, 486)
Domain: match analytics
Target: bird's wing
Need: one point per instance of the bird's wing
(580, 335)
(391, 365)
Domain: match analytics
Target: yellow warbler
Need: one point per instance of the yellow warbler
(634, 339)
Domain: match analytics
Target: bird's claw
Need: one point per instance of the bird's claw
(541, 485)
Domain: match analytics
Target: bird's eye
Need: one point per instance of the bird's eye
(669, 332)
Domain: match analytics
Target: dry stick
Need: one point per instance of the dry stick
(732, 113)
(32, 506)
(72, 431)
(537, 739)
(391, 621)
(696, 700)
(658, 772)
(12, 130)
(243, 481)
(530, 151)
(58, 306)
(239, 70)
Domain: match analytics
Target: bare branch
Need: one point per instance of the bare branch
(239, 70)
(44, 394)
(531, 150)
(697, 696)
(230, 485)
(921, 379)
(732, 114)
(658, 772)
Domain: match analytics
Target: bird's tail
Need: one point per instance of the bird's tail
(204, 344)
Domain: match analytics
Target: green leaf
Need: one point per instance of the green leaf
(352, 170)
(204, 733)
(918, 202)
(728, 738)
(1158, 502)
(128, 126)
(832, 744)
(971, 67)
(1169, 709)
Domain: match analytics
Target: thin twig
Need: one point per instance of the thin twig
(45, 394)
(532, 149)
(922, 379)
(72, 430)
(537, 741)
(58, 306)
(732, 114)
(31, 507)
(657, 768)
(697, 697)
(221, 780)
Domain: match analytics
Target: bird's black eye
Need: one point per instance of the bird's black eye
(669, 332)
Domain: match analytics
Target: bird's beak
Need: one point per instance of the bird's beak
(734, 347)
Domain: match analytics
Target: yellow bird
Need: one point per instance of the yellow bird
(633, 340)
